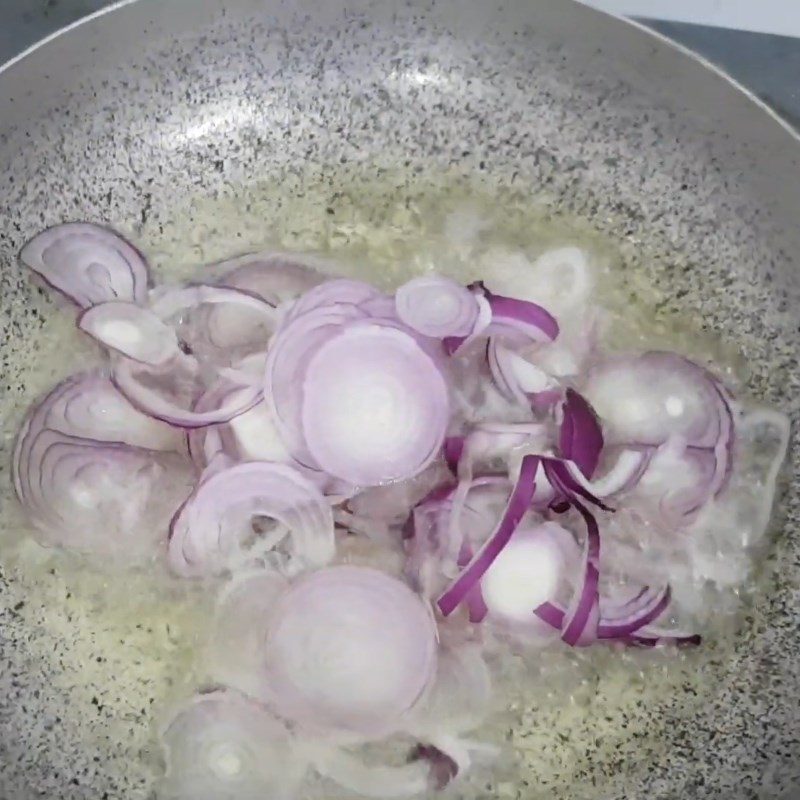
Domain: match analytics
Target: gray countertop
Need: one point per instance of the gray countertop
(769, 65)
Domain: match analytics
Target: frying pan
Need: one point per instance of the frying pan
(160, 105)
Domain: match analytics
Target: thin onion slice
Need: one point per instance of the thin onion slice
(374, 780)
(644, 609)
(516, 378)
(134, 381)
(88, 263)
(350, 650)
(530, 571)
(437, 307)
(172, 301)
(375, 406)
(222, 746)
(518, 504)
(580, 437)
(455, 344)
(336, 292)
(130, 330)
(511, 317)
(295, 343)
(234, 654)
(89, 406)
(652, 397)
(210, 532)
(277, 278)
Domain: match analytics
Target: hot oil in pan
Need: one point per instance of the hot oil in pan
(127, 643)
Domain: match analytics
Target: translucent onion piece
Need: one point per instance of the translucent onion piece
(646, 607)
(350, 650)
(235, 651)
(649, 398)
(130, 330)
(169, 302)
(626, 472)
(515, 377)
(104, 498)
(375, 406)
(428, 530)
(88, 264)
(436, 306)
(211, 532)
(222, 746)
(370, 780)
(460, 699)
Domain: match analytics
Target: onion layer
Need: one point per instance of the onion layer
(88, 264)
(211, 532)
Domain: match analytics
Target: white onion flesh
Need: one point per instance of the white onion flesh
(131, 331)
(222, 746)
(349, 650)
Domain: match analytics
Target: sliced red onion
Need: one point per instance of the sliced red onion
(130, 330)
(581, 620)
(92, 496)
(436, 306)
(518, 504)
(529, 572)
(391, 503)
(89, 406)
(649, 398)
(522, 316)
(349, 650)
(626, 472)
(375, 780)
(88, 263)
(136, 383)
(428, 531)
(660, 637)
(516, 378)
(375, 406)
(581, 437)
(443, 768)
(235, 652)
(647, 607)
(455, 344)
(336, 292)
(275, 277)
(381, 307)
(170, 302)
(460, 698)
(210, 533)
(294, 344)
(254, 436)
(222, 745)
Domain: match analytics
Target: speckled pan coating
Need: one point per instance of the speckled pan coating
(593, 116)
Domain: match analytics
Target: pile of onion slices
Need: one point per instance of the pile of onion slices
(247, 431)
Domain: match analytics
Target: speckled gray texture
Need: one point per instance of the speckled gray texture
(590, 117)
